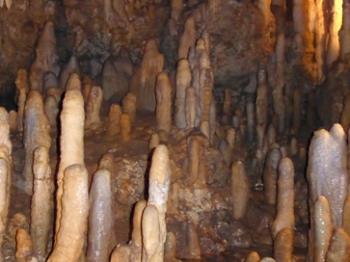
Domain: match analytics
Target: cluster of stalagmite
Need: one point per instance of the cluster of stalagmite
(205, 173)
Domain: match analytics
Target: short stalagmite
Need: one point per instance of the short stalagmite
(24, 245)
(270, 175)
(100, 217)
(125, 127)
(252, 257)
(70, 238)
(113, 124)
(285, 198)
(323, 228)
(339, 249)
(283, 245)
(93, 108)
(129, 106)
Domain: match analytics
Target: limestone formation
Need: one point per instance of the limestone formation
(164, 103)
(125, 127)
(327, 169)
(285, 198)
(42, 202)
(93, 108)
(100, 217)
(46, 59)
(270, 175)
(113, 124)
(36, 133)
(129, 106)
(183, 82)
(22, 90)
(71, 139)
(70, 237)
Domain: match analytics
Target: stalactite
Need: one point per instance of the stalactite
(261, 107)
(22, 89)
(93, 108)
(270, 175)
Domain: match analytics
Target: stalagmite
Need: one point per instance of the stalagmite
(22, 89)
(339, 249)
(121, 254)
(240, 190)
(113, 124)
(152, 235)
(336, 20)
(93, 108)
(188, 38)
(322, 228)
(24, 245)
(283, 245)
(327, 169)
(270, 175)
(252, 257)
(194, 153)
(129, 106)
(285, 200)
(151, 65)
(183, 82)
(42, 202)
(71, 139)
(52, 110)
(125, 127)
(190, 108)
(69, 240)
(46, 59)
(153, 221)
(164, 103)
(36, 133)
(261, 107)
(100, 217)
